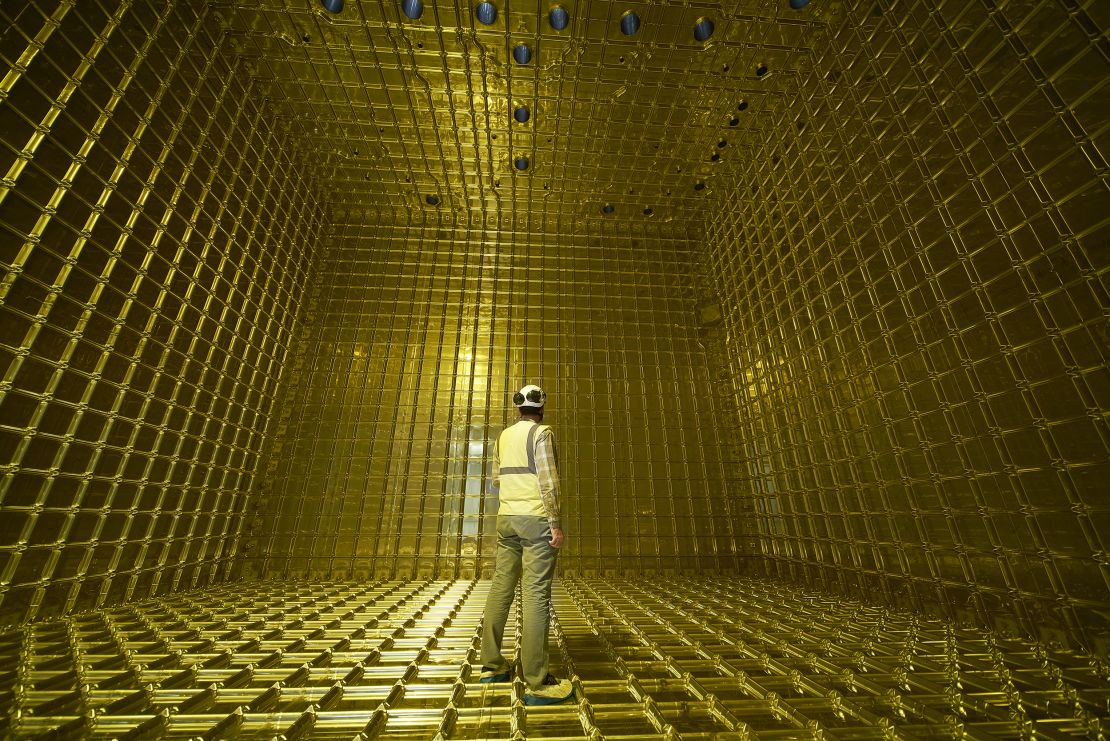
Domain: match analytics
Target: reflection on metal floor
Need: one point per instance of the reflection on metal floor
(693, 659)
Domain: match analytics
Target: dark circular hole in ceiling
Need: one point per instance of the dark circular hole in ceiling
(558, 17)
(630, 23)
(486, 13)
(703, 29)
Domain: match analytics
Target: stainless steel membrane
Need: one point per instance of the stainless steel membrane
(818, 292)
(650, 658)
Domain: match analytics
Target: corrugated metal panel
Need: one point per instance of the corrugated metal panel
(822, 298)
(649, 659)
(911, 274)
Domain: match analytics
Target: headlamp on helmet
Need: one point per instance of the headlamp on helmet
(530, 396)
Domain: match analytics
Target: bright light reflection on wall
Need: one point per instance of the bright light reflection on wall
(472, 488)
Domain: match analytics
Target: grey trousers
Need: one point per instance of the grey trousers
(522, 541)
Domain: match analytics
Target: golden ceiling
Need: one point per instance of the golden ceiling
(516, 114)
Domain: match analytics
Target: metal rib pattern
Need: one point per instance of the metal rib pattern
(397, 109)
(823, 298)
(156, 234)
(909, 275)
(667, 659)
(405, 376)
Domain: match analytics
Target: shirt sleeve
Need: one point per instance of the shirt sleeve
(496, 463)
(547, 461)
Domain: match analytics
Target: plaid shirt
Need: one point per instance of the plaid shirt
(547, 462)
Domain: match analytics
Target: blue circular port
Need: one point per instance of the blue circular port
(412, 8)
(558, 17)
(608, 208)
(521, 114)
(486, 12)
(522, 53)
(432, 200)
(798, 4)
(703, 29)
(630, 23)
(521, 163)
(332, 6)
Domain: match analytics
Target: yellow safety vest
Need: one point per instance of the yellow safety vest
(519, 486)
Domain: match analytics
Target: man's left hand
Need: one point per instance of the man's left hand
(556, 537)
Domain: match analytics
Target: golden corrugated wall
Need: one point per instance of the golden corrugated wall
(157, 236)
(905, 234)
(821, 293)
(913, 275)
(422, 332)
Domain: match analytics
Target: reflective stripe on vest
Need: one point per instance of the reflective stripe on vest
(519, 489)
(530, 446)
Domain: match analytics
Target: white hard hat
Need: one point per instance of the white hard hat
(530, 396)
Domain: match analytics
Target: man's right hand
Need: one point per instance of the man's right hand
(556, 537)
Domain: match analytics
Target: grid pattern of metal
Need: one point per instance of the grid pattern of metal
(904, 289)
(420, 336)
(156, 235)
(914, 278)
(401, 109)
(700, 659)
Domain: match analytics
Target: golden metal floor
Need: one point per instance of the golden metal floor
(704, 658)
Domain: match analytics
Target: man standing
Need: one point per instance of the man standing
(529, 535)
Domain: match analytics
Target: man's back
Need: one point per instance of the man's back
(519, 483)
